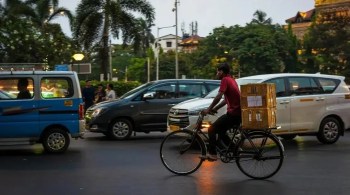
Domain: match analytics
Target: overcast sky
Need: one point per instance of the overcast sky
(211, 13)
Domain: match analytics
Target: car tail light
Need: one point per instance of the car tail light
(81, 111)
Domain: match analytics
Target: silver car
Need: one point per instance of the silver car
(307, 104)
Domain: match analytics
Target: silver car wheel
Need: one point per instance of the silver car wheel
(121, 129)
(331, 130)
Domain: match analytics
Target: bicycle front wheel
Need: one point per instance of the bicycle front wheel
(260, 155)
(181, 153)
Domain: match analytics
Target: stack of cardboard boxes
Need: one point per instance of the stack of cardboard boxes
(258, 104)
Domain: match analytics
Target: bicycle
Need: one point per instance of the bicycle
(258, 154)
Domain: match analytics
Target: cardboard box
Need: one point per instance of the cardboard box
(258, 118)
(259, 95)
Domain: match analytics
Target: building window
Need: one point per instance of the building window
(168, 44)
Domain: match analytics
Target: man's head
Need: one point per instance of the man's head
(100, 87)
(22, 84)
(223, 70)
(87, 83)
(109, 86)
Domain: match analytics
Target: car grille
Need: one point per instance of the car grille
(178, 117)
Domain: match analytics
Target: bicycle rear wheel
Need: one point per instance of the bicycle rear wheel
(181, 153)
(260, 155)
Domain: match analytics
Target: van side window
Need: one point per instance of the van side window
(280, 86)
(16, 88)
(56, 88)
(304, 86)
(328, 85)
(192, 90)
(166, 91)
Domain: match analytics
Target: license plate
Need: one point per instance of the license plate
(174, 128)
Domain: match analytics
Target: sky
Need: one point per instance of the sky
(209, 14)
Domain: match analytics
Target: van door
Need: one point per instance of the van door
(19, 112)
(283, 106)
(307, 105)
(59, 104)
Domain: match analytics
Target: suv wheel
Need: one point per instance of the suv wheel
(329, 131)
(120, 129)
(55, 140)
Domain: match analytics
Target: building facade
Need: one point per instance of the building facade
(167, 42)
(301, 22)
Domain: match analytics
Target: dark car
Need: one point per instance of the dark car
(145, 108)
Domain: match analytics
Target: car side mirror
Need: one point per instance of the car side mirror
(148, 96)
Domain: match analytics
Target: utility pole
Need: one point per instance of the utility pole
(110, 61)
(176, 43)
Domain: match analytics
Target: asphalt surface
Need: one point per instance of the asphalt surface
(96, 165)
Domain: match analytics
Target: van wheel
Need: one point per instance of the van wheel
(329, 131)
(288, 137)
(120, 129)
(55, 140)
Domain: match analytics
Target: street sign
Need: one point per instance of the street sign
(62, 67)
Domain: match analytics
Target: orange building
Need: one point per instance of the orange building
(190, 44)
(303, 20)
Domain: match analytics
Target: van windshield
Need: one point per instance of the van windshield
(240, 82)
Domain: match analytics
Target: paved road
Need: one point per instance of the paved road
(96, 165)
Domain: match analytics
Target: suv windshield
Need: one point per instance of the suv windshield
(240, 82)
(137, 89)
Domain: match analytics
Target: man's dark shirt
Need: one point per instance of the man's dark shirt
(88, 96)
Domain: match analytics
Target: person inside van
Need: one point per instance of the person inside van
(22, 87)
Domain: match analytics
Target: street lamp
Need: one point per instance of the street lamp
(78, 57)
(157, 49)
(176, 52)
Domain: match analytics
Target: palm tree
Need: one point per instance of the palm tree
(39, 12)
(36, 16)
(42, 12)
(97, 20)
(260, 18)
(143, 37)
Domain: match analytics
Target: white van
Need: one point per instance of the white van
(307, 104)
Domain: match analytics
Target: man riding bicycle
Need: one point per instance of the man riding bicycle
(228, 88)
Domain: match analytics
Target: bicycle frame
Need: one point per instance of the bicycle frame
(197, 131)
(246, 148)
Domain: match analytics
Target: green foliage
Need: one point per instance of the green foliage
(257, 48)
(137, 71)
(33, 39)
(110, 18)
(327, 45)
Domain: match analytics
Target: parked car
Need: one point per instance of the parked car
(145, 108)
(40, 107)
(307, 104)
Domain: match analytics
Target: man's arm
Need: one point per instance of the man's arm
(214, 103)
(220, 105)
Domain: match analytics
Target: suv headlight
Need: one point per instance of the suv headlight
(97, 112)
(196, 111)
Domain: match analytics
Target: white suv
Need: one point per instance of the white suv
(307, 104)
